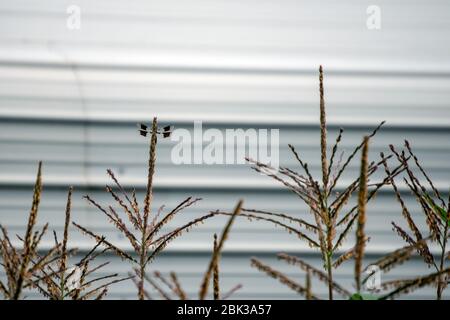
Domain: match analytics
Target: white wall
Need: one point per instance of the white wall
(72, 97)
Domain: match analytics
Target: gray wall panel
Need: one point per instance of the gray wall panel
(72, 98)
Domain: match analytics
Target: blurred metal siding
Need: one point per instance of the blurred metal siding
(72, 98)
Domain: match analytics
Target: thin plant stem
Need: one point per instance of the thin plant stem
(441, 284)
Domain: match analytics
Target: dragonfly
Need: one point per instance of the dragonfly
(144, 130)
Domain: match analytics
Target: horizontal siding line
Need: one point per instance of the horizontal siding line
(138, 145)
(97, 182)
(294, 71)
(136, 162)
(224, 20)
(232, 122)
(192, 8)
(219, 16)
(229, 275)
(241, 86)
(254, 228)
(238, 250)
(173, 102)
(133, 163)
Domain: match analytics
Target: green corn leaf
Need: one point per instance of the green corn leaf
(437, 209)
(356, 296)
(359, 296)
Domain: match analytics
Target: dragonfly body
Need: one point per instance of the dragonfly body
(144, 130)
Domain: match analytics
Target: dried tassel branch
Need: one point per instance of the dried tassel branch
(216, 272)
(410, 285)
(314, 272)
(362, 199)
(346, 231)
(157, 227)
(213, 267)
(27, 242)
(352, 155)
(323, 132)
(349, 254)
(133, 203)
(289, 229)
(216, 254)
(308, 286)
(333, 152)
(151, 171)
(141, 236)
(161, 278)
(180, 292)
(63, 263)
(232, 291)
(160, 290)
(64, 282)
(282, 278)
(301, 222)
(318, 198)
(162, 242)
(405, 210)
(95, 291)
(131, 216)
(435, 216)
(122, 254)
(395, 258)
(102, 294)
(430, 182)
